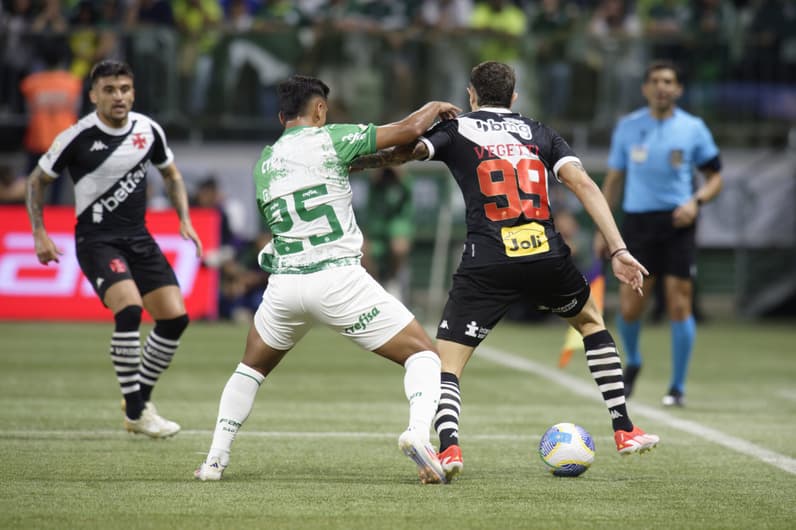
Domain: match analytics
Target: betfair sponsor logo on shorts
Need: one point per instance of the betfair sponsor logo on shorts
(362, 322)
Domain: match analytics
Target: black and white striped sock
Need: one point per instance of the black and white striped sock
(606, 369)
(161, 344)
(126, 357)
(446, 422)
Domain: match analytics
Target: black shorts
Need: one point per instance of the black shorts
(481, 296)
(659, 246)
(106, 261)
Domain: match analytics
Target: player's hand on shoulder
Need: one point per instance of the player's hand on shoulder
(447, 110)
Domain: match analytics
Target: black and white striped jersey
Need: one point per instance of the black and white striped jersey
(501, 161)
(108, 167)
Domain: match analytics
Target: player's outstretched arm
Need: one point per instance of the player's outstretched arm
(46, 251)
(175, 189)
(612, 188)
(626, 268)
(392, 156)
(408, 129)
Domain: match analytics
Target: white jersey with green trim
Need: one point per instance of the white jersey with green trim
(304, 196)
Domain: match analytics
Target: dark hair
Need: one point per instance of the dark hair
(493, 83)
(296, 91)
(661, 64)
(110, 69)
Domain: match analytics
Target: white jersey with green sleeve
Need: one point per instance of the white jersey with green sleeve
(304, 195)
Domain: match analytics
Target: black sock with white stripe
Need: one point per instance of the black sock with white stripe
(446, 422)
(606, 369)
(126, 356)
(161, 344)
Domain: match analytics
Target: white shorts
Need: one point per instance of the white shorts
(346, 299)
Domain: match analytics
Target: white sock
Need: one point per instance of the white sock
(422, 387)
(236, 403)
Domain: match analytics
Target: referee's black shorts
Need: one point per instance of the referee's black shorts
(659, 246)
(106, 261)
(479, 297)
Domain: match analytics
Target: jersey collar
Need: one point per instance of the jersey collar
(499, 110)
(113, 131)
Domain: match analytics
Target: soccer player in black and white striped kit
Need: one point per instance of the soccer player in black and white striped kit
(107, 154)
(501, 161)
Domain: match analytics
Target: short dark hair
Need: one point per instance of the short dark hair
(493, 83)
(296, 91)
(110, 69)
(662, 64)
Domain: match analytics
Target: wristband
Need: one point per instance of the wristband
(617, 251)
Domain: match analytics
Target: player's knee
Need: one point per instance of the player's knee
(128, 318)
(172, 328)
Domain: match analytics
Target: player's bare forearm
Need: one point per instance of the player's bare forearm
(34, 198)
(412, 126)
(393, 156)
(574, 177)
(175, 191)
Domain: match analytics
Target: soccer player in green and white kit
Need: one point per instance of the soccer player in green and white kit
(304, 195)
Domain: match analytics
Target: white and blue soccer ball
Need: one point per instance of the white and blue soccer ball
(566, 449)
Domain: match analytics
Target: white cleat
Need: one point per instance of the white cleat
(423, 454)
(210, 470)
(151, 424)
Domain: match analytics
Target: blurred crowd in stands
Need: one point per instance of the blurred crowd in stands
(214, 63)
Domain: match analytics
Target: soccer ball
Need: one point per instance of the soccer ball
(566, 449)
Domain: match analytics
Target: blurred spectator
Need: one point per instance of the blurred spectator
(150, 13)
(243, 282)
(617, 54)
(50, 18)
(499, 26)
(208, 195)
(53, 98)
(12, 186)
(92, 37)
(239, 15)
(198, 22)
(664, 25)
(552, 28)
(502, 24)
(388, 231)
(763, 41)
(712, 29)
(152, 51)
(17, 55)
(446, 21)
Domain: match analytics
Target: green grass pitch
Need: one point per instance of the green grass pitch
(320, 448)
